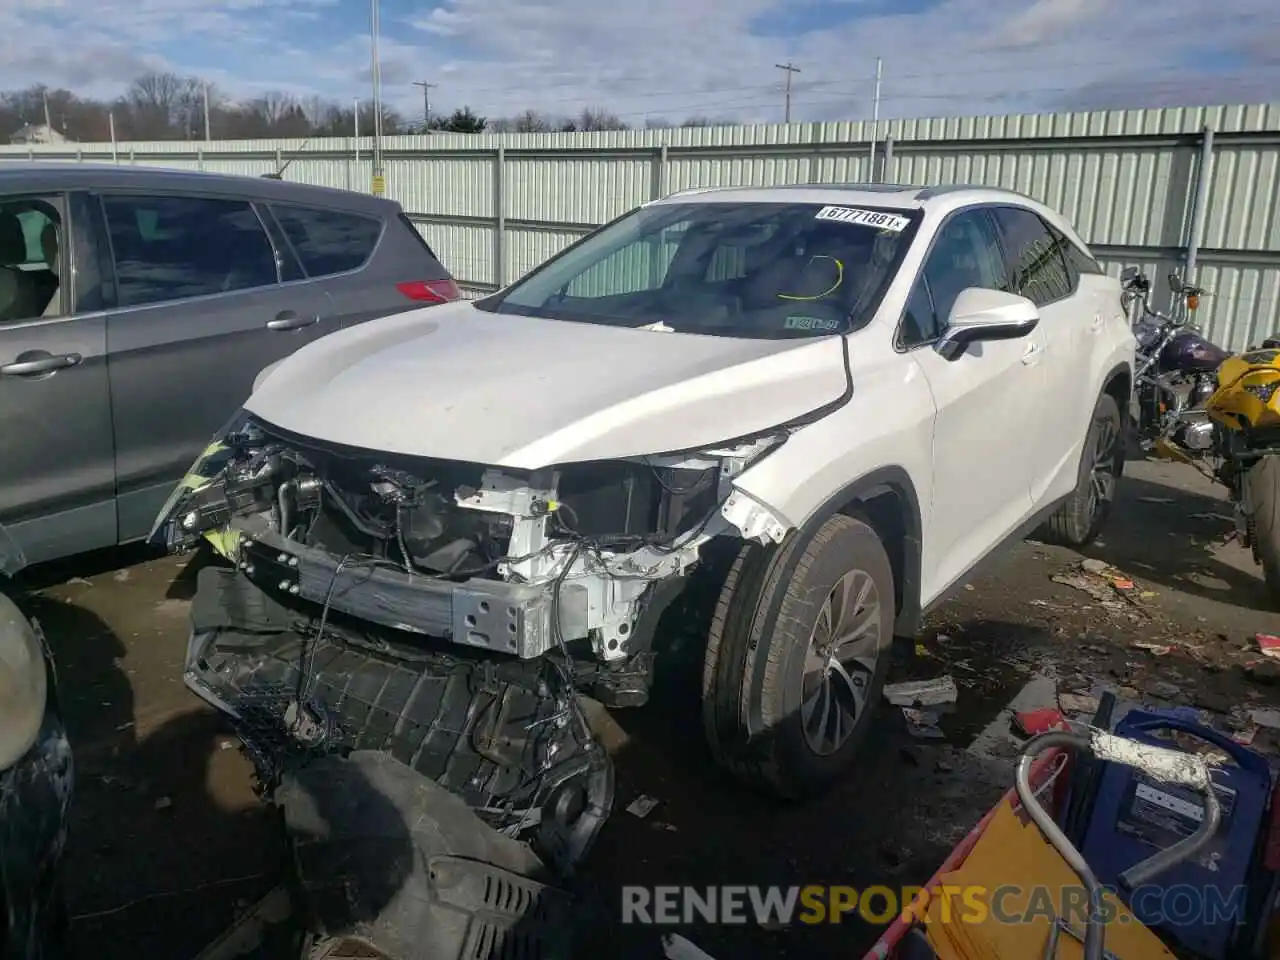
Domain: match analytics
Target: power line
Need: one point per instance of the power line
(789, 71)
(839, 91)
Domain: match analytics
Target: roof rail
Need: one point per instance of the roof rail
(941, 190)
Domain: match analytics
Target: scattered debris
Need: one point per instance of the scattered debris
(121, 575)
(1164, 500)
(922, 724)
(1155, 649)
(1078, 703)
(163, 803)
(1269, 644)
(922, 693)
(1122, 583)
(1266, 718)
(1263, 671)
(1165, 690)
(80, 582)
(642, 806)
(676, 947)
(1211, 516)
(1091, 565)
(1246, 736)
(944, 766)
(1029, 723)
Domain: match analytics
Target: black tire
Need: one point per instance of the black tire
(758, 663)
(1262, 494)
(1077, 522)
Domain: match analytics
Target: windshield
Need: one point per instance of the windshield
(757, 270)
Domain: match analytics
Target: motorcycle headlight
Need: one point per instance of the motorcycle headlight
(23, 684)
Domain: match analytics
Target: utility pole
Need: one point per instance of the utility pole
(789, 70)
(378, 183)
(426, 102)
(204, 94)
(48, 123)
(875, 120)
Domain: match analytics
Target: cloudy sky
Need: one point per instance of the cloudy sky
(670, 58)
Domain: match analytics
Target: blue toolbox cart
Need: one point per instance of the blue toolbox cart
(1204, 904)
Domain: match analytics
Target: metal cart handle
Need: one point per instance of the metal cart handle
(1159, 763)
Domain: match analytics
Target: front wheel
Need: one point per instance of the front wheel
(797, 656)
(1079, 520)
(1262, 500)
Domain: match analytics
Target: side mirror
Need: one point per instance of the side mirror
(1175, 282)
(1128, 274)
(980, 314)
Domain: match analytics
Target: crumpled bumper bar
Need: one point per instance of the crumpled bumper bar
(495, 615)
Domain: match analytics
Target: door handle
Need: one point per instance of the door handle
(38, 365)
(1097, 323)
(1033, 354)
(288, 320)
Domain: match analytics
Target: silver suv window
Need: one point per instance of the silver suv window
(173, 248)
(328, 241)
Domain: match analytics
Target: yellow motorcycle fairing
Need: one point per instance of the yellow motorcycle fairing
(1248, 394)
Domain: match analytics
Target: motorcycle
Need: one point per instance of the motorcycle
(1218, 411)
(1175, 370)
(1246, 413)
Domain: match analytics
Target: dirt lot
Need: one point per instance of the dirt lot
(169, 840)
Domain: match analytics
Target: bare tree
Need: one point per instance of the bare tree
(596, 118)
(273, 106)
(153, 100)
(530, 121)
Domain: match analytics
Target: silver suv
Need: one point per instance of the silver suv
(136, 307)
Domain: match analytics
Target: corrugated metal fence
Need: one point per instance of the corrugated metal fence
(1154, 188)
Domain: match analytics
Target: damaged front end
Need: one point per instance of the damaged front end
(446, 613)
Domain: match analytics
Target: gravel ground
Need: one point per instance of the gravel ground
(169, 841)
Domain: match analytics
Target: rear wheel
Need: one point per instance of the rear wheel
(1078, 521)
(1262, 495)
(797, 656)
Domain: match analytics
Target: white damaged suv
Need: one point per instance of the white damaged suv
(828, 402)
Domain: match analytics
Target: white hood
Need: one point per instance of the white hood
(456, 383)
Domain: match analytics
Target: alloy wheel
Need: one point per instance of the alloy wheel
(840, 662)
(1102, 475)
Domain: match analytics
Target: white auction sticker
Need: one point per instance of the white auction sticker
(869, 218)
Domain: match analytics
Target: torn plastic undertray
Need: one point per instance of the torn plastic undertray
(503, 735)
(389, 860)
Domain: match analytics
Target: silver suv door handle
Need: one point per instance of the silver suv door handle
(29, 368)
(1033, 353)
(288, 320)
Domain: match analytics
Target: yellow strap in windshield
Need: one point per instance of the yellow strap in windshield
(830, 290)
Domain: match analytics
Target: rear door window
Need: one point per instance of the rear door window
(174, 248)
(1078, 262)
(1036, 265)
(328, 241)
